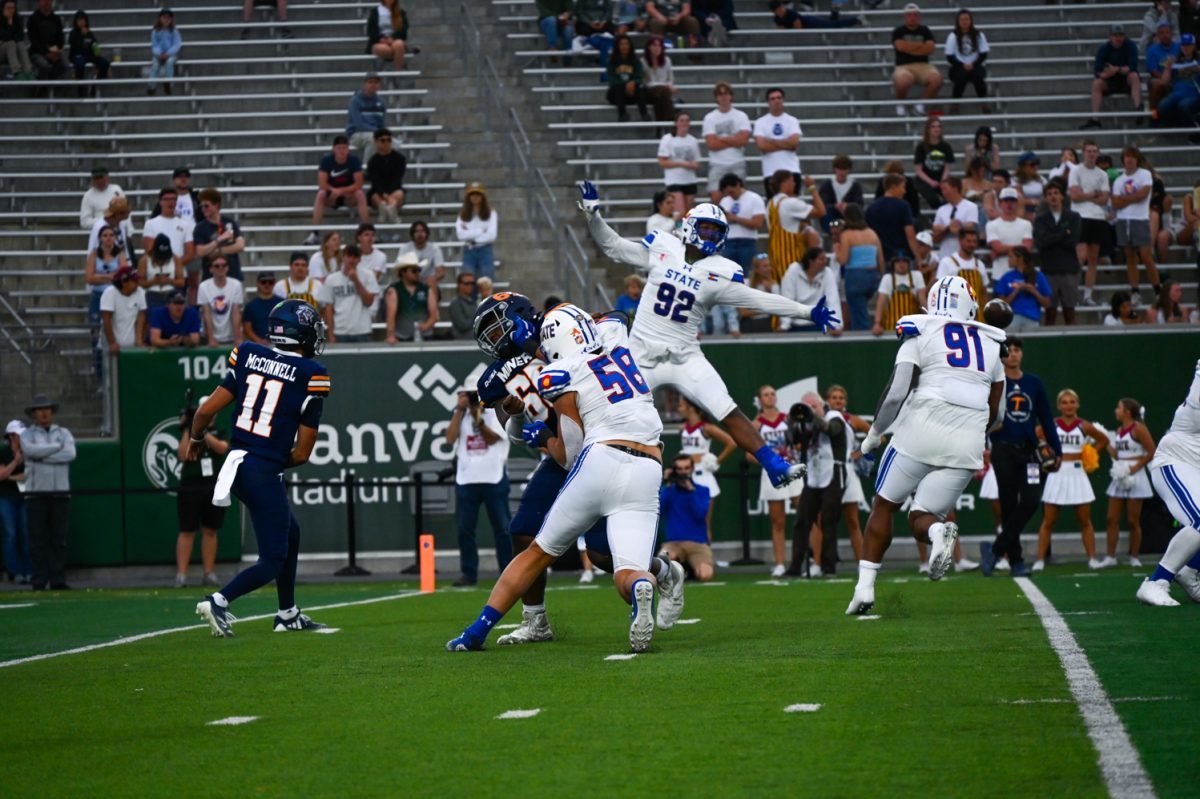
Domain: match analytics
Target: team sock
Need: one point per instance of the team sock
(481, 627)
(1161, 574)
(664, 570)
(937, 528)
(541, 608)
(866, 573)
(220, 599)
(770, 460)
(290, 613)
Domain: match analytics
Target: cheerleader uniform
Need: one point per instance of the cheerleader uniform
(1070, 484)
(775, 434)
(693, 442)
(1129, 449)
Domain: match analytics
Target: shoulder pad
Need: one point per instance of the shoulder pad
(616, 316)
(907, 328)
(553, 383)
(490, 387)
(738, 276)
(648, 239)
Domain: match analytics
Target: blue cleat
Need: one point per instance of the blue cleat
(218, 618)
(987, 559)
(464, 643)
(297, 623)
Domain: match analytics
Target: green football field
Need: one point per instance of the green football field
(954, 690)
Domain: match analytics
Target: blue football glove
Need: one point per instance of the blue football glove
(589, 197)
(523, 332)
(824, 317)
(536, 434)
(865, 465)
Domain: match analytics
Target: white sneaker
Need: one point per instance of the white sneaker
(923, 568)
(863, 601)
(1157, 593)
(941, 550)
(901, 111)
(641, 619)
(1002, 565)
(814, 570)
(1095, 563)
(670, 597)
(587, 576)
(1134, 563)
(920, 109)
(535, 628)
(1108, 562)
(965, 565)
(181, 581)
(1039, 566)
(779, 571)
(210, 578)
(1189, 579)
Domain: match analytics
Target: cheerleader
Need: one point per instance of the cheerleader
(1131, 451)
(695, 438)
(1069, 486)
(772, 425)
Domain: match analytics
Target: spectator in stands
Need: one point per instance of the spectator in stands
(1164, 47)
(761, 277)
(593, 22)
(96, 199)
(788, 232)
(1160, 217)
(659, 79)
(966, 50)
(280, 14)
(746, 214)
(1189, 234)
(367, 114)
(46, 41)
(785, 17)
(352, 292)
(48, 451)
(931, 156)
(462, 308)
(1056, 232)
(977, 188)
(684, 506)
(911, 194)
(483, 289)
(160, 271)
(187, 199)
(428, 255)
(371, 257)
(1007, 231)
(777, 135)
(629, 16)
(220, 299)
(1116, 72)
(14, 50)
(477, 227)
(1088, 187)
(298, 285)
(256, 312)
(1159, 14)
(481, 449)
(839, 191)
(385, 170)
(913, 43)
(807, 282)
(122, 311)
(411, 305)
(627, 303)
(726, 131)
(954, 216)
(964, 264)
(339, 182)
(1030, 181)
(216, 235)
(1122, 312)
(1182, 105)
(12, 505)
(892, 220)
(984, 146)
(1131, 200)
(901, 292)
(626, 81)
(1068, 159)
(1024, 288)
(679, 156)
(102, 263)
(716, 20)
(860, 253)
(85, 49)
(1166, 309)
(554, 18)
(926, 258)
(669, 17)
(664, 217)
(327, 260)
(165, 44)
(387, 32)
(175, 324)
(178, 230)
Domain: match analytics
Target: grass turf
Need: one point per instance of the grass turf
(914, 703)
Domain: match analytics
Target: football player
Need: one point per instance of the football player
(685, 279)
(510, 383)
(278, 395)
(1175, 473)
(607, 436)
(949, 381)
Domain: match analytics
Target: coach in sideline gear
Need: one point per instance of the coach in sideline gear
(683, 506)
(1015, 458)
(48, 450)
(825, 438)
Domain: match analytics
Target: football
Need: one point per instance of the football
(997, 313)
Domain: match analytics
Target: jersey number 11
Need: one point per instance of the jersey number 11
(270, 390)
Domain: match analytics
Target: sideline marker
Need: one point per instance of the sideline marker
(427, 570)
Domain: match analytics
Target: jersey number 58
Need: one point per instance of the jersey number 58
(618, 375)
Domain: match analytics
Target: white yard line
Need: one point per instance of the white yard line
(802, 708)
(520, 714)
(1119, 762)
(233, 721)
(18, 605)
(131, 639)
(623, 656)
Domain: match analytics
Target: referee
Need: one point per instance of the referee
(1015, 445)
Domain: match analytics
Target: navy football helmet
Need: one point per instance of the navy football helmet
(495, 319)
(296, 324)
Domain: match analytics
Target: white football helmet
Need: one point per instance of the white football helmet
(953, 297)
(566, 330)
(709, 242)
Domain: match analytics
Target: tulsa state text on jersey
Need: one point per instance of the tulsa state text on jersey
(516, 377)
(275, 393)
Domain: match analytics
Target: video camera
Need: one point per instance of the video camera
(187, 414)
(802, 429)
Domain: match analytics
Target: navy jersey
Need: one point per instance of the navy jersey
(275, 393)
(515, 377)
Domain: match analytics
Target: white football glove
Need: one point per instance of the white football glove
(870, 442)
(709, 463)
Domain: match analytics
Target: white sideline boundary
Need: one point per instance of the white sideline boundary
(131, 639)
(1119, 762)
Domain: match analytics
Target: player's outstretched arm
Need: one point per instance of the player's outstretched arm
(903, 380)
(740, 295)
(605, 237)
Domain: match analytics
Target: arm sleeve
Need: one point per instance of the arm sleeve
(740, 295)
(616, 247)
(896, 392)
(1046, 416)
(514, 427)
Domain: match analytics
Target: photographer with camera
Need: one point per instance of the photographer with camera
(683, 506)
(194, 507)
(480, 479)
(824, 439)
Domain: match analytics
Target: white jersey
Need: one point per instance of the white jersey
(692, 440)
(944, 419)
(1181, 444)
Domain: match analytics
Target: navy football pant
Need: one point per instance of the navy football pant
(259, 485)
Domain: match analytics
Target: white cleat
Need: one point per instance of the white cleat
(1038, 566)
(1156, 593)
(796, 471)
(1134, 562)
(641, 620)
(941, 550)
(535, 628)
(1108, 562)
(1002, 565)
(670, 597)
(1095, 564)
(1189, 579)
(779, 571)
(965, 565)
(587, 576)
(864, 600)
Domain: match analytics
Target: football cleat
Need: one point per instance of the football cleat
(1189, 579)
(1156, 593)
(464, 643)
(535, 628)
(941, 550)
(297, 623)
(670, 597)
(863, 601)
(641, 618)
(218, 618)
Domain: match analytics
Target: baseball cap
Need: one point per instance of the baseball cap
(162, 248)
(1187, 38)
(176, 296)
(372, 75)
(1164, 23)
(265, 276)
(166, 11)
(1009, 194)
(14, 427)
(476, 187)
(1114, 29)
(926, 238)
(124, 274)
(1028, 157)
(99, 171)
(298, 256)
(181, 170)
(912, 7)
